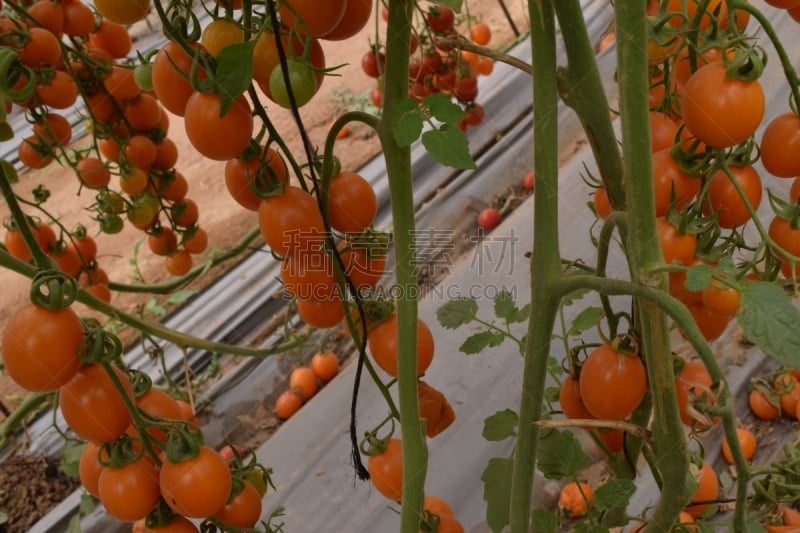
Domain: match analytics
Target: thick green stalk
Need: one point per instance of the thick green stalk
(670, 447)
(545, 262)
(398, 169)
(582, 89)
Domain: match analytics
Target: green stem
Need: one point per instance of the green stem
(29, 405)
(398, 167)
(545, 267)
(154, 329)
(39, 257)
(217, 257)
(670, 446)
(581, 88)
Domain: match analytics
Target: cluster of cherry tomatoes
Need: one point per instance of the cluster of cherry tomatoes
(439, 66)
(304, 382)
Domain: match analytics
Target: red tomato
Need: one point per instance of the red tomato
(93, 407)
(352, 204)
(129, 493)
(356, 15)
(721, 111)
(89, 468)
(158, 403)
(41, 348)
(243, 510)
(569, 397)
(662, 132)
(674, 245)
(489, 218)
(724, 199)
(779, 144)
(317, 18)
(291, 222)
(606, 369)
(218, 137)
(383, 344)
(321, 313)
(386, 470)
(671, 184)
(197, 487)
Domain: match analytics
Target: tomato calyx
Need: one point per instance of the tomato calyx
(374, 243)
(160, 517)
(119, 453)
(747, 63)
(371, 444)
(429, 522)
(183, 443)
(250, 471)
(53, 289)
(99, 346)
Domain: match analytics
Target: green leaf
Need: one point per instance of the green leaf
(406, 105)
(477, 342)
(551, 394)
(524, 313)
(407, 130)
(449, 146)
(234, 72)
(70, 457)
(771, 322)
(87, 504)
(457, 312)
(544, 521)
(505, 307)
(443, 109)
(614, 493)
(501, 425)
(497, 491)
(10, 171)
(698, 277)
(586, 319)
(74, 525)
(3, 517)
(554, 366)
(560, 455)
(180, 297)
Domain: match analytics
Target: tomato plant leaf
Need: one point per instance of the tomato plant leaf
(407, 130)
(442, 108)
(551, 394)
(449, 146)
(70, 457)
(698, 277)
(477, 342)
(10, 171)
(496, 491)
(501, 425)
(457, 312)
(771, 322)
(505, 307)
(455, 5)
(544, 521)
(614, 493)
(406, 105)
(180, 297)
(86, 504)
(523, 313)
(586, 319)
(234, 72)
(74, 525)
(560, 455)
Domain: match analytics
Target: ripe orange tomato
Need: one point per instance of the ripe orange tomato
(671, 184)
(288, 404)
(123, 11)
(747, 441)
(291, 222)
(171, 68)
(41, 348)
(788, 389)
(383, 343)
(179, 262)
(365, 267)
(158, 403)
(321, 313)
(606, 369)
(92, 406)
(89, 468)
(720, 111)
(53, 128)
(112, 38)
(356, 15)
(675, 246)
(130, 492)
(93, 173)
(315, 18)
(219, 34)
(214, 136)
(325, 365)
(386, 470)
(244, 510)
(352, 203)
(569, 396)
(720, 299)
(707, 490)
(724, 199)
(762, 406)
(435, 409)
(197, 487)
(303, 381)
(781, 139)
(309, 276)
(576, 498)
